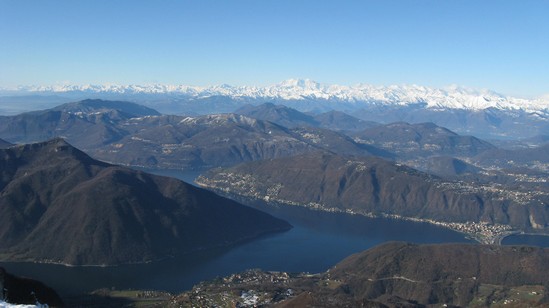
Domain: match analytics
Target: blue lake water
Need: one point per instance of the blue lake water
(526, 239)
(318, 241)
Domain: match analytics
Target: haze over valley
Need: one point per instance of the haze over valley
(274, 153)
(263, 156)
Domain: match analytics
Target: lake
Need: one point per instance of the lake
(526, 239)
(318, 241)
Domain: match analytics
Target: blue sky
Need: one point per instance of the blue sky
(500, 45)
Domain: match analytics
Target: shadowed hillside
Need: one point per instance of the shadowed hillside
(59, 205)
(371, 185)
(18, 290)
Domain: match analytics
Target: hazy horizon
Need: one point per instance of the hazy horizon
(496, 45)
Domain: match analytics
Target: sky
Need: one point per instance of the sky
(490, 44)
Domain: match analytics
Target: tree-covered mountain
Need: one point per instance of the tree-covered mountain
(530, 157)
(394, 274)
(95, 106)
(279, 114)
(448, 166)
(341, 121)
(86, 124)
(119, 132)
(411, 141)
(374, 186)
(59, 205)
(289, 117)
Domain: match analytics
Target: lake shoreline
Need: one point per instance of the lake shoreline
(480, 232)
(194, 251)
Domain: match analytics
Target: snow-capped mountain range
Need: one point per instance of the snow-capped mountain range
(305, 89)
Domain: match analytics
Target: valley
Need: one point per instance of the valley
(385, 154)
(313, 174)
(316, 242)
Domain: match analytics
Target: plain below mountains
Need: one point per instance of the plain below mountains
(59, 205)
(371, 185)
(395, 275)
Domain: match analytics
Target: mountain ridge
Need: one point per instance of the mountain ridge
(421, 139)
(452, 97)
(374, 186)
(120, 135)
(107, 214)
(482, 113)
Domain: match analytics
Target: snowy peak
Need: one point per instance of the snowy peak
(299, 83)
(452, 97)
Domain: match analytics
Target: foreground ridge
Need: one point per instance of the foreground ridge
(394, 274)
(107, 214)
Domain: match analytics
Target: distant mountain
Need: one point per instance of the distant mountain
(534, 158)
(107, 214)
(279, 114)
(25, 291)
(127, 134)
(88, 123)
(421, 140)
(289, 117)
(220, 140)
(371, 185)
(448, 166)
(206, 141)
(340, 121)
(4, 144)
(306, 89)
(490, 123)
(515, 144)
(95, 106)
(395, 275)
(43, 125)
(537, 140)
(481, 113)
